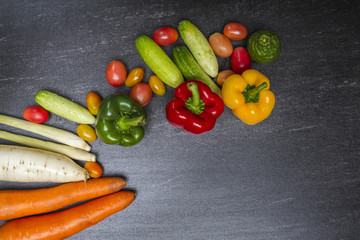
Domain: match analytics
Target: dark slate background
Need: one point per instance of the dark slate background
(293, 176)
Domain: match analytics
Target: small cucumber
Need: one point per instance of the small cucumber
(199, 47)
(191, 69)
(64, 107)
(158, 61)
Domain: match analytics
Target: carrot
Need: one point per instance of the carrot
(20, 203)
(68, 222)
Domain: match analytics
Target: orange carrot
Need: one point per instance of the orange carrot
(20, 203)
(68, 222)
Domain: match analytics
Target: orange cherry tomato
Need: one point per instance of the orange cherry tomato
(223, 75)
(94, 169)
(235, 31)
(135, 76)
(221, 45)
(86, 132)
(156, 85)
(141, 93)
(93, 101)
(116, 73)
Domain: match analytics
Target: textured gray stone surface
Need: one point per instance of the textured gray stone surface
(293, 176)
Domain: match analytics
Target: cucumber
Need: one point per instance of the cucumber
(191, 69)
(158, 61)
(64, 107)
(199, 47)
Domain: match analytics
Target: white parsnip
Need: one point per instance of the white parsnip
(56, 134)
(24, 164)
(71, 152)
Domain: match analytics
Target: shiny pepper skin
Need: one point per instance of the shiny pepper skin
(248, 96)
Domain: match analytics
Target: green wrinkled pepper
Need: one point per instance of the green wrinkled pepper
(120, 121)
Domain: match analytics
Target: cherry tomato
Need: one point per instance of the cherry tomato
(135, 76)
(223, 75)
(93, 101)
(36, 114)
(165, 36)
(240, 60)
(94, 169)
(116, 73)
(221, 45)
(156, 85)
(141, 93)
(235, 31)
(86, 132)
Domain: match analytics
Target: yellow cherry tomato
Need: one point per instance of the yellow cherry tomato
(156, 85)
(94, 169)
(93, 101)
(86, 132)
(135, 76)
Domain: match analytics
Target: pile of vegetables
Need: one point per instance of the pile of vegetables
(201, 93)
(46, 161)
(197, 60)
(248, 95)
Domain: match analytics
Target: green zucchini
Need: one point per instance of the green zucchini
(200, 47)
(158, 61)
(64, 107)
(191, 69)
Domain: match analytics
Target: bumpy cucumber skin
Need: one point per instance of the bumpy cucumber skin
(191, 69)
(199, 47)
(64, 107)
(264, 52)
(158, 61)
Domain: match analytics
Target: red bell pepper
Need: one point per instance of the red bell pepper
(195, 107)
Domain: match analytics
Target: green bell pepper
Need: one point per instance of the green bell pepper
(120, 121)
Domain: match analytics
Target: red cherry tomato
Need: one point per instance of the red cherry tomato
(116, 73)
(165, 36)
(235, 31)
(36, 114)
(141, 93)
(240, 60)
(221, 45)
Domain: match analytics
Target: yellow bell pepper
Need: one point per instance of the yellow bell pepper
(248, 96)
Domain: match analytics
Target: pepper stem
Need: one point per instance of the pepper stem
(125, 122)
(194, 103)
(252, 93)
